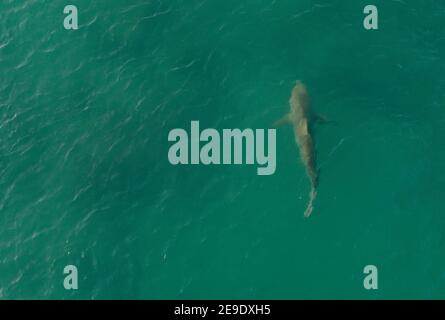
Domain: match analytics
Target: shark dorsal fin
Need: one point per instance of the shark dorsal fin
(303, 128)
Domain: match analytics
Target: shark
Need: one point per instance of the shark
(301, 118)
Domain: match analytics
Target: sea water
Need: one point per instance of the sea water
(85, 178)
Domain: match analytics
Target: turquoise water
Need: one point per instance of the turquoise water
(85, 179)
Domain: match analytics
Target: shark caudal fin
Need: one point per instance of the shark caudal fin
(310, 204)
(284, 120)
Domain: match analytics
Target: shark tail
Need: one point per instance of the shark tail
(310, 206)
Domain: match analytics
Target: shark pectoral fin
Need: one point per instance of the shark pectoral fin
(321, 119)
(284, 120)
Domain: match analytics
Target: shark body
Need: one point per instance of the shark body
(300, 117)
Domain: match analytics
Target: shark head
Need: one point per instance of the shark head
(299, 87)
(298, 97)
